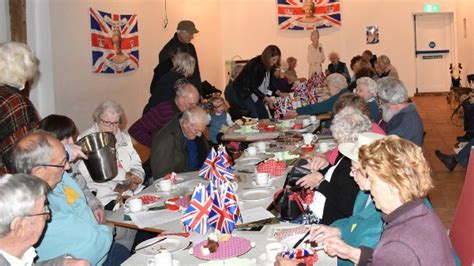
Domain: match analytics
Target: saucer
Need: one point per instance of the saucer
(262, 260)
(269, 184)
(173, 188)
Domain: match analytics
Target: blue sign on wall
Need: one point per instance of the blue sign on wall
(432, 44)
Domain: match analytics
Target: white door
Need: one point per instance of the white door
(433, 49)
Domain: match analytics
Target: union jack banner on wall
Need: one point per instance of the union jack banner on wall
(114, 40)
(308, 14)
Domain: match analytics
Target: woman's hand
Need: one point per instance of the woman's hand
(280, 261)
(269, 102)
(317, 163)
(321, 232)
(334, 246)
(291, 114)
(135, 181)
(99, 214)
(310, 181)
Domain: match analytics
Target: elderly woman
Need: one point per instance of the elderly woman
(335, 190)
(18, 65)
(253, 85)
(399, 178)
(183, 67)
(107, 118)
(336, 66)
(367, 89)
(337, 84)
(316, 55)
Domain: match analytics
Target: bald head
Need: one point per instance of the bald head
(42, 155)
(187, 96)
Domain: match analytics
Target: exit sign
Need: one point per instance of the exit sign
(431, 8)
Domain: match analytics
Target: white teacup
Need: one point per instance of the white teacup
(323, 147)
(135, 205)
(263, 178)
(308, 138)
(313, 119)
(251, 151)
(164, 185)
(306, 122)
(261, 146)
(272, 250)
(164, 258)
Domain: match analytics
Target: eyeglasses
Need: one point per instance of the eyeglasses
(46, 211)
(197, 132)
(109, 123)
(61, 165)
(355, 171)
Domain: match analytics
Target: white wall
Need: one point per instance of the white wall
(227, 28)
(465, 10)
(4, 21)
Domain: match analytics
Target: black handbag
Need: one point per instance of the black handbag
(296, 173)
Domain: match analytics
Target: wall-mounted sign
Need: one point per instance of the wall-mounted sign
(429, 57)
(431, 8)
(432, 44)
(372, 34)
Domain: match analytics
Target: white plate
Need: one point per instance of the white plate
(171, 243)
(173, 188)
(182, 178)
(146, 194)
(255, 194)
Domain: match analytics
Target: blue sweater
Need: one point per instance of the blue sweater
(406, 124)
(73, 228)
(374, 110)
(322, 107)
(363, 228)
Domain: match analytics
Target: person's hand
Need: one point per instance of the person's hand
(281, 261)
(302, 79)
(334, 246)
(310, 181)
(326, 231)
(99, 214)
(269, 102)
(75, 262)
(111, 227)
(120, 188)
(76, 152)
(317, 163)
(135, 181)
(291, 114)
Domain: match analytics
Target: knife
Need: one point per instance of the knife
(301, 239)
(157, 208)
(151, 244)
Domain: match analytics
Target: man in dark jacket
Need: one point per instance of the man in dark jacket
(179, 146)
(181, 42)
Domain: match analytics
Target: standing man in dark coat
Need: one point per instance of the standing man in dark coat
(181, 42)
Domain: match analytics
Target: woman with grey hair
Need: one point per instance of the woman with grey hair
(335, 190)
(367, 89)
(337, 85)
(108, 117)
(18, 65)
(183, 67)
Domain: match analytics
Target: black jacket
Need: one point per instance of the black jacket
(174, 45)
(252, 75)
(164, 90)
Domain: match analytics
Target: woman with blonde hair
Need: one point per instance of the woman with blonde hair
(165, 88)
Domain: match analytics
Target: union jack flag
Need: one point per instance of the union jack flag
(208, 165)
(220, 217)
(232, 202)
(114, 40)
(217, 167)
(327, 13)
(196, 215)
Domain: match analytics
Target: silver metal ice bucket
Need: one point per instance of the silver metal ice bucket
(100, 150)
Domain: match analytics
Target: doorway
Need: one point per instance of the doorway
(433, 51)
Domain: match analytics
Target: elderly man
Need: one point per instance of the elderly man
(18, 65)
(367, 89)
(180, 146)
(400, 117)
(73, 229)
(181, 42)
(337, 84)
(385, 68)
(22, 223)
(151, 122)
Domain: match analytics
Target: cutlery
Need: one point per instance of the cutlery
(157, 208)
(151, 244)
(301, 239)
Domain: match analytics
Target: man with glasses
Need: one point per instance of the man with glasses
(73, 228)
(181, 42)
(180, 145)
(22, 223)
(151, 122)
(399, 117)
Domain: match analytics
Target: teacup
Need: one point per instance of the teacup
(251, 151)
(272, 250)
(135, 205)
(313, 119)
(164, 258)
(164, 185)
(323, 147)
(308, 138)
(261, 146)
(262, 178)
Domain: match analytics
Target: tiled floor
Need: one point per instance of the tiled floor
(441, 134)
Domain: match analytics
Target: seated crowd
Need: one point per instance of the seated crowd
(370, 192)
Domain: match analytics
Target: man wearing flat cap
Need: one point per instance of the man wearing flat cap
(181, 42)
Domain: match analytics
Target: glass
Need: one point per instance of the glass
(61, 165)
(46, 211)
(355, 171)
(110, 123)
(197, 132)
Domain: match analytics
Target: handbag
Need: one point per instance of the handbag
(289, 204)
